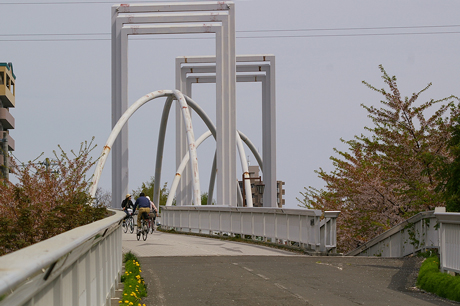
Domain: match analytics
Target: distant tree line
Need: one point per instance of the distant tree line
(148, 186)
(406, 163)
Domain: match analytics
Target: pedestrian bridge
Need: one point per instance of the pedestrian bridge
(189, 270)
(83, 267)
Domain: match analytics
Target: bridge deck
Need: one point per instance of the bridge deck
(189, 270)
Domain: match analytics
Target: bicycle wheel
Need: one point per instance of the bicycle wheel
(145, 230)
(131, 225)
(151, 226)
(125, 226)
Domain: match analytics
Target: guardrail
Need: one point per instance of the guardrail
(414, 234)
(328, 231)
(449, 238)
(299, 226)
(79, 267)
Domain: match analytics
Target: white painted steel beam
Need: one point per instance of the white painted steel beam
(255, 77)
(225, 92)
(140, 18)
(181, 148)
(246, 63)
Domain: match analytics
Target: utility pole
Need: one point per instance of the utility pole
(47, 163)
(5, 166)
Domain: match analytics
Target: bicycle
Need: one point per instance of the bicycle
(128, 223)
(144, 230)
(151, 222)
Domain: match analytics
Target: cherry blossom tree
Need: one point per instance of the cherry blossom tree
(389, 174)
(45, 203)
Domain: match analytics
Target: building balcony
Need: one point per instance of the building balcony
(7, 85)
(10, 141)
(6, 119)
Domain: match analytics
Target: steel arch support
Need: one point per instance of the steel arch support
(125, 117)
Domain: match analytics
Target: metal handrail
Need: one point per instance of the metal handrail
(18, 267)
(401, 226)
(300, 226)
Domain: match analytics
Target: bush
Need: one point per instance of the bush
(45, 203)
(432, 280)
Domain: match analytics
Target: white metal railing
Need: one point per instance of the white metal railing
(414, 234)
(449, 240)
(328, 231)
(275, 224)
(432, 229)
(79, 267)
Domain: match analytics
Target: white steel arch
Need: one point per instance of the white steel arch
(124, 119)
(212, 128)
(179, 171)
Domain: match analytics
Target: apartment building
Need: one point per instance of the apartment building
(7, 101)
(258, 187)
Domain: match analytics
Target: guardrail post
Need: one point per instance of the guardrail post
(449, 240)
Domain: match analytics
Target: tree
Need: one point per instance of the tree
(449, 171)
(204, 199)
(147, 189)
(45, 203)
(103, 197)
(390, 175)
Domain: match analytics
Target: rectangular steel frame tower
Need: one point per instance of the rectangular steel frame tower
(225, 83)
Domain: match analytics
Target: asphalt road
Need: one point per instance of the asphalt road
(202, 271)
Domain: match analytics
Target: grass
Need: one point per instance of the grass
(431, 279)
(134, 285)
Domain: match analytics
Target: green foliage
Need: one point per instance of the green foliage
(388, 174)
(448, 171)
(134, 285)
(129, 257)
(44, 204)
(204, 199)
(148, 187)
(441, 284)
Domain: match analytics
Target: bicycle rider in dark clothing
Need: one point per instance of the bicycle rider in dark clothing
(144, 206)
(127, 203)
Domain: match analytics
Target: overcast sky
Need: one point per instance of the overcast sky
(61, 54)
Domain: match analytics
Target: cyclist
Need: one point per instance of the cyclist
(127, 204)
(154, 209)
(144, 206)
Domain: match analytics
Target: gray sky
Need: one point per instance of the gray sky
(323, 49)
